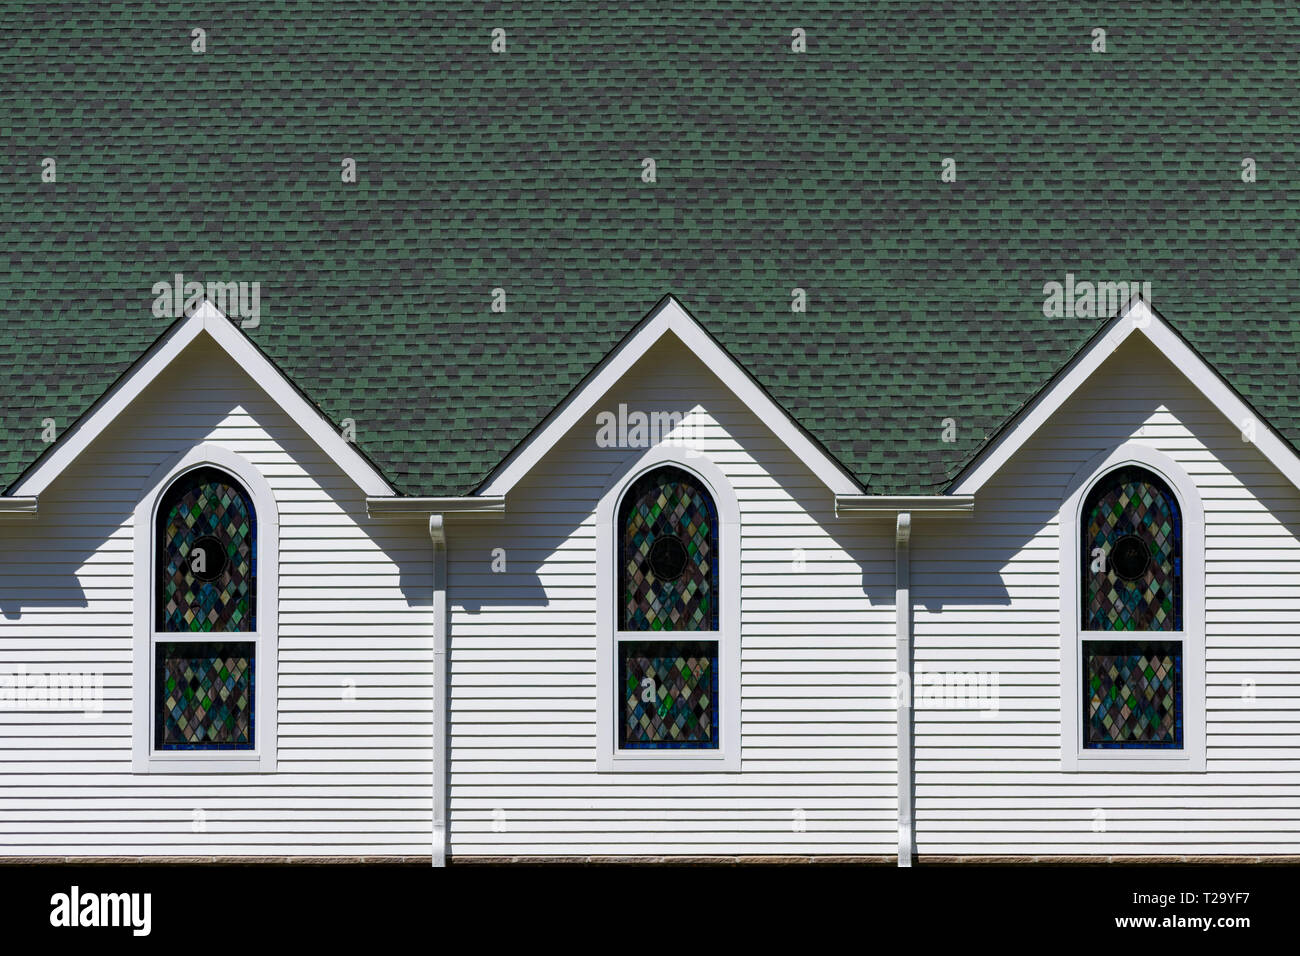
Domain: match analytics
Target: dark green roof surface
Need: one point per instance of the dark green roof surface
(522, 170)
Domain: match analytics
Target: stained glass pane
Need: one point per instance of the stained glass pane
(205, 695)
(1133, 694)
(1132, 554)
(670, 694)
(207, 551)
(668, 554)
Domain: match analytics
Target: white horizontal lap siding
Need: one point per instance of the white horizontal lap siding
(355, 652)
(817, 723)
(987, 592)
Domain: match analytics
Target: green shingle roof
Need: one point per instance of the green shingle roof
(522, 170)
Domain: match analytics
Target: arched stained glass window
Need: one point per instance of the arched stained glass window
(667, 536)
(668, 554)
(1132, 543)
(207, 555)
(1132, 558)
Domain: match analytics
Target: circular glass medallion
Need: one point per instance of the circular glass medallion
(668, 558)
(1130, 557)
(207, 558)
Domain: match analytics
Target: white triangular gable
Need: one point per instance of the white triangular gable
(1137, 319)
(206, 320)
(668, 318)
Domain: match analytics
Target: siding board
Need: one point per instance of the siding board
(355, 605)
(818, 729)
(995, 787)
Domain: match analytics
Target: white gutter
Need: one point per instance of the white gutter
(894, 504)
(441, 688)
(903, 631)
(397, 507)
(11, 507)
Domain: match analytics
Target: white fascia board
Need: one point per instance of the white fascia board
(1220, 394)
(106, 409)
(668, 317)
(207, 318)
(898, 504)
(1137, 319)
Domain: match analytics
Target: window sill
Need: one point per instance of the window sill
(205, 763)
(666, 762)
(1137, 763)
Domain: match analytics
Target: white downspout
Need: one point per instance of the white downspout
(438, 535)
(903, 627)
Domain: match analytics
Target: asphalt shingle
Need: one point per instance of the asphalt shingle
(522, 170)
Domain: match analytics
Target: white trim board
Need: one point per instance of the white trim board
(1138, 318)
(206, 319)
(668, 317)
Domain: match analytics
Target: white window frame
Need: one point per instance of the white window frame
(609, 758)
(262, 759)
(1074, 756)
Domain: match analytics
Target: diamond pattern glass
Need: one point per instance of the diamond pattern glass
(670, 694)
(1133, 694)
(668, 502)
(206, 529)
(1132, 508)
(205, 695)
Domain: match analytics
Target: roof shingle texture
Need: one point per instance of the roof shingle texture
(522, 170)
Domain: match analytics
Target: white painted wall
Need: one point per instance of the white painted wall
(818, 732)
(986, 592)
(354, 774)
(818, 728)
